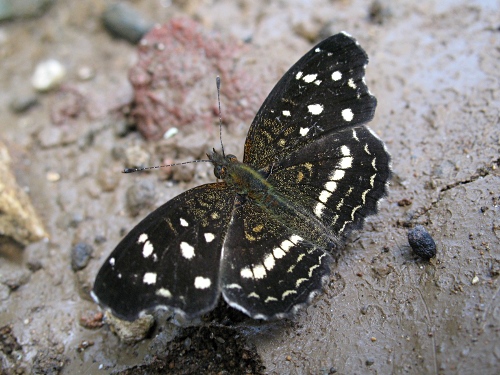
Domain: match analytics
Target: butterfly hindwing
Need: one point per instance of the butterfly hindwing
(339, 178)
(171, 258)
(268, 271)
(324, 91)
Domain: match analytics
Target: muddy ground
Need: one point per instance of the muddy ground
(435, 70)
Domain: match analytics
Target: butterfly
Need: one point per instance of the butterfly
(263, 236)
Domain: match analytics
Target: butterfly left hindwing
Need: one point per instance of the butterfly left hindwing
(170, 259)
(268, 271)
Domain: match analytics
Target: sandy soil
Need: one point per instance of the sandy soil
(435, 70)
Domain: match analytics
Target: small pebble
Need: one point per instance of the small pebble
(85, 73)
(12, 9)
(80, 255)
(48, 75)
(52, 176)
(170, 133)
(23, 103)
(123, 21)
(136, 157)
(422, 243)
(475, 280)
(139, 196)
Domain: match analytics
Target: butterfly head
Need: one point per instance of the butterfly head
(222, 163)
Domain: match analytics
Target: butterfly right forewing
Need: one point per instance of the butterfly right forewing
(171, 258)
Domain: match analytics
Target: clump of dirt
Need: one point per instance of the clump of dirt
(203, 350)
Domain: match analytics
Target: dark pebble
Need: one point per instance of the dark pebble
(139, 196)
(124, 22)
(422, 243)
(23, 8)
(80, 255)
(22, 104)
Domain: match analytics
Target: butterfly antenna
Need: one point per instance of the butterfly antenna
(132, 170)
(217, 80)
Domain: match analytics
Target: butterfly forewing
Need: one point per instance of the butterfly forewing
(171, 258)
(268, 271)
(323, 92)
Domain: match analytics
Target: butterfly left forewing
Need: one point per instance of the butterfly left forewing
(323, 92)
(168, 260)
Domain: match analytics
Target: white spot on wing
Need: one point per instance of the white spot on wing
(286, 113)
(346, 162)
(209, 237)
(269, 262)
(347, 114)
(147, 249)
(112, 262)
(323, 197)
(287, 293)
(202, 282)
(295, 238)
(233, 286)
(286, 245)
(300, 281)
(246, 273)
(259, 272)
(149, 278)
(315, 109)
(162, 292)
(270, 299)
(278, 253)
(142, 238)
(354, 135)
(309, 78)
(298, 75)
(331, 186)
(318, 210)
(336, 76)
(187, 250)
(345, 151)
(303, 131)
(351, 83)
(254, 295)
(184, 223)
(337, 175)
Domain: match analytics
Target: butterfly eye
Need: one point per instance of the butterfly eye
(220, 171)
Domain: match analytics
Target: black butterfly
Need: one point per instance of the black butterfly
(311, 172)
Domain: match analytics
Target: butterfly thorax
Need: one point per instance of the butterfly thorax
(241, 177)
(255, 187)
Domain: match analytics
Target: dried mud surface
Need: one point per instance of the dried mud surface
(435, 70)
